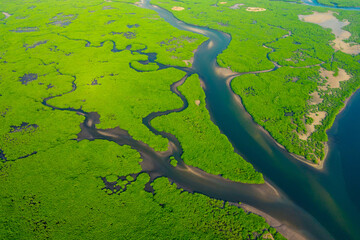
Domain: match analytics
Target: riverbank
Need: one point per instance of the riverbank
(284, 230)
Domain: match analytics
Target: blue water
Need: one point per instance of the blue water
(317, 4)
(331, 196)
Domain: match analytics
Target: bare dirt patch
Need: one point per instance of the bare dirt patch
(177, 8)
(310, 128)
(315, 98)
(255, 9)
(328, 20)
(334, 81)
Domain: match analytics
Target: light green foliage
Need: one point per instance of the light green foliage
(81, 54)
(278, 35)
(354, 27)
(252, 32)
(144, 67)
(51, 195)
(203, 144)
(81, 50)
(173, 161)
(278, 101)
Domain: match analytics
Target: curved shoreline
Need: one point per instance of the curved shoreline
(110, 134)
(315, 3)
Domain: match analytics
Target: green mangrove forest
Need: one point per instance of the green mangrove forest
(65, 174)
(282, 101)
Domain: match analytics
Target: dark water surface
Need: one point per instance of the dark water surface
(330, 196)
(315, 3)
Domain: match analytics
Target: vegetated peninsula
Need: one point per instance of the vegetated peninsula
(77, 80)
(307, 65)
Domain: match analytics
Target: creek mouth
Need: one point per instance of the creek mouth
(296, 189)
(323, 194)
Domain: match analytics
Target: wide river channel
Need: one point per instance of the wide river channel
(318, 204)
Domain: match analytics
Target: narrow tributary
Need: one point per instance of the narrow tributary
(306, 202)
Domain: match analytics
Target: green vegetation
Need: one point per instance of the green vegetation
(63, 57)
(354, 27)
(280, 106)
(252, 32)
(50, 195)
(277, 35)
(82, 54)
(341, 3)
(204, 146)
(144, 67)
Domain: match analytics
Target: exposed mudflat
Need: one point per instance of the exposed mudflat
(328, 20)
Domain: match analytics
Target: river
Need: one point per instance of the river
(308, 196)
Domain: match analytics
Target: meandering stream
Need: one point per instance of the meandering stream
(303, 202)
(326, 194)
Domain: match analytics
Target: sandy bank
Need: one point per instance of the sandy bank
(328, 20)
(255, 9)
(283, 229)
(222, 2)
(177, 8)
(190, 62)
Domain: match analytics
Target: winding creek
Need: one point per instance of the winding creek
(327, 195)
(303, 202)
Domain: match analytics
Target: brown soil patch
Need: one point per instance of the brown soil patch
(315, 98)
(255, 9)
(328, 20)
(334, 81)
(177, 8)
(310, 128)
